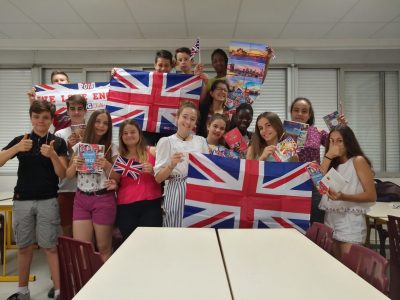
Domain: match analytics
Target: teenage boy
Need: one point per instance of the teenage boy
(76, 110)
(184, 64)
(42, 160)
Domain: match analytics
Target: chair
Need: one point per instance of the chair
(394, 244)
(321, 234)
(78, 263)
(369, 265)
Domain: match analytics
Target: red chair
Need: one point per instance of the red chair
(321, 234)
(369, 264)
(394, 244)
(78, 263)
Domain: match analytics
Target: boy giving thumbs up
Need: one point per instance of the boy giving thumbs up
(42, 160)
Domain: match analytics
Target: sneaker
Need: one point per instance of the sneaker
(50, 294)
(19, 296)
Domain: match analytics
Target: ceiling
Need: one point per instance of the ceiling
(142, 24)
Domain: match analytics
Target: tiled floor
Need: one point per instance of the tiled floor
(38, 288)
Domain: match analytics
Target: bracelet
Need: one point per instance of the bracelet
(327, 157)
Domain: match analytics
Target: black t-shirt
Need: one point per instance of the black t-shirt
(37, 179)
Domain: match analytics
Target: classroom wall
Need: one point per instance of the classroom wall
(362, 58)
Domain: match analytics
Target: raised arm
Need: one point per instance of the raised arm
(24, 145)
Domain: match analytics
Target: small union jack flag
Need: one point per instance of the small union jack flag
(195, 48)
(127, 167)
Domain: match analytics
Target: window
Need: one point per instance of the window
(372, 107)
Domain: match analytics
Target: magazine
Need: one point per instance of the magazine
(333, 180)
(314, 170)
(235, 140)
(285, 150)
(331, 119)
(298, 131)
(90, 152)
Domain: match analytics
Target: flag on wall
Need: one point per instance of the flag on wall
(233, 193)
(127, 167)
(195, 48)
(150, 98)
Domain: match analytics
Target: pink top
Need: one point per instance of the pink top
(143, 188)
(311, 150)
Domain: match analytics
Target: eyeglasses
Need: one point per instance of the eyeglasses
(221, 89)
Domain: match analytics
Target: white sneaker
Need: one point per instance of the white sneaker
(19, 296)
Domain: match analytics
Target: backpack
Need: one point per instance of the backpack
(387, 191)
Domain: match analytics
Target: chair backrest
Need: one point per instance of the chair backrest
(369, 264)
(78, 263)
(321, 234)
(394, 244)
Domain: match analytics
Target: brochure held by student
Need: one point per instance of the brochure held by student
(331, 120)
(316, 175)
(333, 180)
(78, 130)
(298, 131)
(90, 152)
(285, 150)
(235, 140)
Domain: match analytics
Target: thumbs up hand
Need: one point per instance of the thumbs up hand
(48, 150)
(25, 144)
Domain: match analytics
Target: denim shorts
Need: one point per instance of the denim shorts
(36, 220)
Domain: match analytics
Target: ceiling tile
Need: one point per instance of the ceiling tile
(373, 11)
(258, 30)
(211, 11)
(354, 30)
(390, 31)
(9, 13)
(116, 31)
(94, 11)
(266, 11)
(211, 30)
(321, 11)
(48, 11)
(157, 11)
(162, 30)
(24, 31)
(306, 31)
(69, 31)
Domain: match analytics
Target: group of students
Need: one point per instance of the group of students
(89, 205)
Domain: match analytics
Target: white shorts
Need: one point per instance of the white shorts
(347, 227)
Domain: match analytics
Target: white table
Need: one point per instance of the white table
(162, 263)
(284, 264)
(381, 210)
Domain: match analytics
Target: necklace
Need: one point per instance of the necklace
(181, 137)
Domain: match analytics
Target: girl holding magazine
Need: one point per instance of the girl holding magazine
(345, 210)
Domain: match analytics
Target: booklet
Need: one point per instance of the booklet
(285, 149)
(298, 131)
(331, 119)
(90, 152)
(314, 170)
(78, 130)
(333, 180)
(235, 140)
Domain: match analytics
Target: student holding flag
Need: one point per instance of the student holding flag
(139, 195)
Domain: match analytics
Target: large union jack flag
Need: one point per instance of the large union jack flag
(150, 98)
(233, 193)
(127, 167)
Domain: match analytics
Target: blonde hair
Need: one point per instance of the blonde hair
(141, 145)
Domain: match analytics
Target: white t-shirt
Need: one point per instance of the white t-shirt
(167, 146)
(66, 184)
(94, 182)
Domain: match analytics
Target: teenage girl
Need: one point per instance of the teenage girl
(94, 205)
(345, 210)
(302, 111)
(172, 162)
(268, 132)
(216, 128)
(139, 200)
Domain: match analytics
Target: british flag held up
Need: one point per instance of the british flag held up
(127, 167)
(150, 98)
(233, 193)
